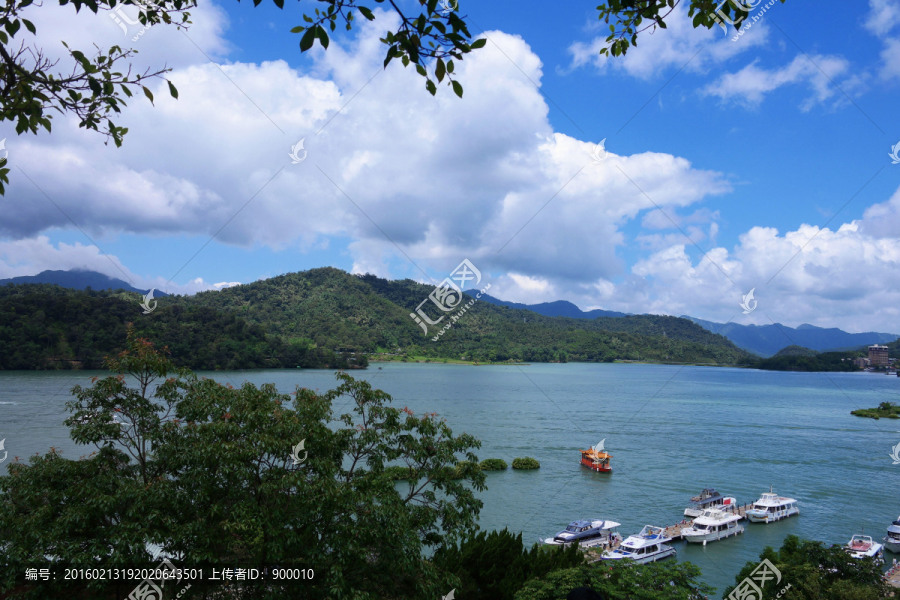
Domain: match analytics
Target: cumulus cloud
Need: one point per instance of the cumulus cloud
(751, 84)
(678, 46)
(399, 173)
(793, 274)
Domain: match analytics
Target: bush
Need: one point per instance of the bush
(526, 463)
(493, 464)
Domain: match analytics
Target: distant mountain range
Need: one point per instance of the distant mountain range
(766, 340)
(763, 340)
(76, 279)
(559, 308)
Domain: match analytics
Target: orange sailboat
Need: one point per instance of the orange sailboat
(596, 458)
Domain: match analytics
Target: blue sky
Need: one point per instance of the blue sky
(760, 162)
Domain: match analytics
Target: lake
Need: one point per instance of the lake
(672, 430)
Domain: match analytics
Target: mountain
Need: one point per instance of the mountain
(559, 308)
(76, 279)
(324, 316)
(766, 340)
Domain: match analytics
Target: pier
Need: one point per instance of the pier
(892, 577)
(674, 532)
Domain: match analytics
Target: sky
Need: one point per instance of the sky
(674, 180)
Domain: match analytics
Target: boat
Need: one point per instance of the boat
(596, 458)
(892, 539)
(708, 498)
(714, 524)
(587, 534)
(863, 546)
(646, 547)
(772, 507)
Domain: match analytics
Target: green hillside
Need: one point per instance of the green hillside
(325, 318)
(45, 326)
(334, 309)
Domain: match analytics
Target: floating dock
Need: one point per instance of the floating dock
(892, 577)
(674, 532)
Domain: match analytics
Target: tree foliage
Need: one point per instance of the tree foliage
(632, 17)
(815, 571)
(211, 475)
(495, 565)
(620, 580)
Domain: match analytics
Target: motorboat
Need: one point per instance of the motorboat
(587, 534)
(772, 507)
(863, 546)
(708, 498)
(596, 458)
(892, 539)
(714, 524)
(647, 546)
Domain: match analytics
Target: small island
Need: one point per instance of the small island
(887, 410)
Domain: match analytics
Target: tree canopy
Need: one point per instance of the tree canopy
(213, 475)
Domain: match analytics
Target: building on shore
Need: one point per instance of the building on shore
(878, 355)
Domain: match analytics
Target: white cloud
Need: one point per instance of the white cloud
(750, 85)
(678, 46)
(883, 16)
(847, 277)
(389, 167)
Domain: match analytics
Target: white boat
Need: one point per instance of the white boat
(713, 524)
(647, 546)
(892, 539)
(588, 534)
(863, 546)
(708, 498)
(772, 507)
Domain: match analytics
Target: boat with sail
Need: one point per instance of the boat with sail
(596, 458)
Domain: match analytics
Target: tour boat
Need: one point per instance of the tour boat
(772, 507)
(596, 532)
(863, 546)
(708, 498)
(596, 458)
(892, 539)
(647, 546)
(714, 524)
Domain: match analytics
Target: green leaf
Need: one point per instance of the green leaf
(148, 93)
(366, 13)
(306, 42)
(172, 90)
(439, 70)
(279, 3)
(457, 88)
(322, 35)
(479, 43)
(429, 85)
(29, 26)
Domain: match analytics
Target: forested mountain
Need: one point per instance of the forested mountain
(49, 327)
(325, 317)
(332, 308)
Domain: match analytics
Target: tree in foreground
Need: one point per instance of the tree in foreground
(495, 565)
(621, 580)
(811, 571)
(240, 477)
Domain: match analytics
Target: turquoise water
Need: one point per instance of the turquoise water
(672, 431)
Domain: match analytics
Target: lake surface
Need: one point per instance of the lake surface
(672, 430)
